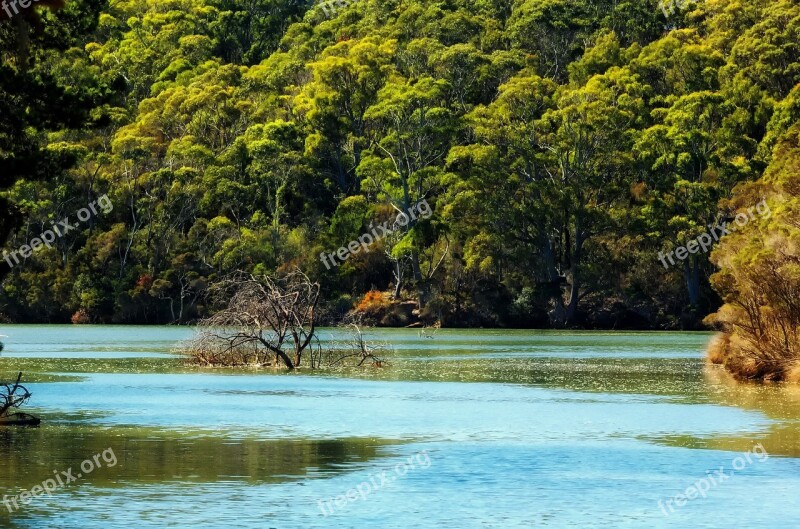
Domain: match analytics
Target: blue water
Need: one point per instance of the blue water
(465, 429)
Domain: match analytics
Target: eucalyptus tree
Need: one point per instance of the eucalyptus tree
(413, 130)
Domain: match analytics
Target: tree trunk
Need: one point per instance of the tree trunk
(422, 287)
(574, 296)
(286, 360)
(398, 278)
(552, 280)
(575, 275)
(692, 274)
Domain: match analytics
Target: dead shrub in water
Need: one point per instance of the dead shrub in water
(13, 396)
(267, 322)
(355, 351)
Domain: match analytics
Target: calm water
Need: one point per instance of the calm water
(464, 429)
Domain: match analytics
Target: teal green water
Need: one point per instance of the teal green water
(463, 429)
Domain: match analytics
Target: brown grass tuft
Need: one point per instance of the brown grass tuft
(718, 349)
(793, 373)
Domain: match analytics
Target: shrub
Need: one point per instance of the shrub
(759, 276)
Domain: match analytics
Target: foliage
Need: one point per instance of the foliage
(759, 276)
(562, 144)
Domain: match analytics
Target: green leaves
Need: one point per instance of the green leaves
(561, 143)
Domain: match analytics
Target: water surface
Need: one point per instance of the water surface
(466, 428)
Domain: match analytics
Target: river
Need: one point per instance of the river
(463, 429)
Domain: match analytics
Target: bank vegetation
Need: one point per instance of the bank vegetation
(759, 277)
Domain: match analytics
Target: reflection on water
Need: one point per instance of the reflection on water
(151, 455)
(146, 456)
(550, 429)
(780, 402)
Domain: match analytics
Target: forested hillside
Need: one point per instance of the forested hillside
(565, 148)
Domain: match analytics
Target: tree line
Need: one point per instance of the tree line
(562, 145)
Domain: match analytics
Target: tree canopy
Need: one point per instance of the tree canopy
(562, 145)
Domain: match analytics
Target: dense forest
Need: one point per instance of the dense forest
(565, 149)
